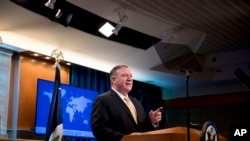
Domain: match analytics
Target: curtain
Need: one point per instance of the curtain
(89, 78)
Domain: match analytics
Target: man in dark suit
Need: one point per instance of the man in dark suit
(111, 118)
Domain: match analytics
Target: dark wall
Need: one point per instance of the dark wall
(222, 115)
(225, 110)
(150, 96)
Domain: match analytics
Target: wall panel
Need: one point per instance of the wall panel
(5, 69)
(31, 69)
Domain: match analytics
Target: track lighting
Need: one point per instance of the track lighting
(60, 12)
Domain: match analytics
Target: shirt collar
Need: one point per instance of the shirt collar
(119, 94)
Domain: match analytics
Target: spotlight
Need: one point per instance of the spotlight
(120, 24)
(63, 19)
(60, 13)
(106, 29)
(50, 4)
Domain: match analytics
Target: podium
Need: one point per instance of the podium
(169, 134)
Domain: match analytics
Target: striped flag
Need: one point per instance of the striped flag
(54, 130)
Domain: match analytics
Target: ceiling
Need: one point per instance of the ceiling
(163, 41)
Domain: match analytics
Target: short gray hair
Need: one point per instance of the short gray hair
(115, 68)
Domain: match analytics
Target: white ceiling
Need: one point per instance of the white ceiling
(215, 32)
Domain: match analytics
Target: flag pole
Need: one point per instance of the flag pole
(54, 129)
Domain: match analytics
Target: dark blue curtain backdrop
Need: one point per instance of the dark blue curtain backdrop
(89, 78)
(149, 95)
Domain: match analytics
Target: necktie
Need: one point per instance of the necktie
(131, 108)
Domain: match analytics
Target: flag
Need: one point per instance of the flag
(54, 129)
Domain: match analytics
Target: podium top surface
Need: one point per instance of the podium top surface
(174, 133)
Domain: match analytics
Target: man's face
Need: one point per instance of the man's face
(123, 81)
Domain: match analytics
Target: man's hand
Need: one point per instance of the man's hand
(155, 116)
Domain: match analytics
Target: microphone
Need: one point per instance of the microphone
(166, 117)
(195, 125)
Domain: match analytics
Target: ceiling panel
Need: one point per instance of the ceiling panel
(226, 23)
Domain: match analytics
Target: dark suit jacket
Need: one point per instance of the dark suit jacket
(111, 118)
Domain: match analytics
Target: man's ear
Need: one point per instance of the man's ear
(112, 79)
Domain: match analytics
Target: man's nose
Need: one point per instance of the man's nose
(129, 78)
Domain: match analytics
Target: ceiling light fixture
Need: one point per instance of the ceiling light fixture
(119, 25)
(50, 4)
(122, 19)
(107, 29)
(60, 15)
(170, 35)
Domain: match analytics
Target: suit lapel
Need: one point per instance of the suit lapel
(122, 104)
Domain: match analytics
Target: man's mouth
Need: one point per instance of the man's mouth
(128, 84)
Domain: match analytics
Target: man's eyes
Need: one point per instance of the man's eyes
(126, 75)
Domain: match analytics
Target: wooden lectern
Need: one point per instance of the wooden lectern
(169, 134)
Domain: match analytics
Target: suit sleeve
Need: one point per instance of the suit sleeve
(99, 122)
